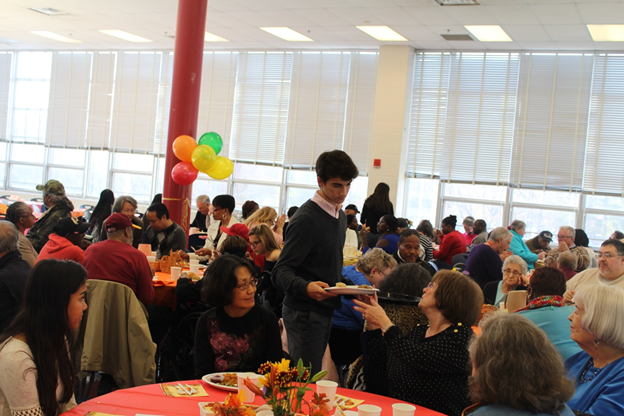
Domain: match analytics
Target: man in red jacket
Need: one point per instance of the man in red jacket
(65, 241)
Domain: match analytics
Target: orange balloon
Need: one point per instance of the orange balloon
(183, 147)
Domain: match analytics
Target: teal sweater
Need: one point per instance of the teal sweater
(519, 248)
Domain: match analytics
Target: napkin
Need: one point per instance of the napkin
(98, 414)
(173, 390)
(346, 402)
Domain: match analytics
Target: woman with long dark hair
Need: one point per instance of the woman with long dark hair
(376, 206)
(102, 210)
(37, 376)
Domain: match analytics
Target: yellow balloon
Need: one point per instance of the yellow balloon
(203, 157)
(222, 168)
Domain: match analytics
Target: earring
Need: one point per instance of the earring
(596, 342)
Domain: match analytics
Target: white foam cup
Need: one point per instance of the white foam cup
(249, 395)
(369, 410)
(193, 261)
(329, 388)
(403, 409)
(175, 273)
(194, 268)
(151, 259)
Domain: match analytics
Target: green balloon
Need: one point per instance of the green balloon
(213, 140)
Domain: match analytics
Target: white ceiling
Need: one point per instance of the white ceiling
(553, 25)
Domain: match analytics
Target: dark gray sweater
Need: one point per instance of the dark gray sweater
(313, 252)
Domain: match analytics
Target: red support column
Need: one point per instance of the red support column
(187, 66)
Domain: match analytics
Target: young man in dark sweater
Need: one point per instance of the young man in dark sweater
(312, 260)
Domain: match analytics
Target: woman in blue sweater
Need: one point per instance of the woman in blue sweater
(518, 247)
(389, 241)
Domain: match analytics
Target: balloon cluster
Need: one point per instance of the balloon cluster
(200, 157)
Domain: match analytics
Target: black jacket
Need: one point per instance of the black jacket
(13, 274)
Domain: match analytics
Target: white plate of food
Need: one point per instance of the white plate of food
(352, 290)
(222, 381)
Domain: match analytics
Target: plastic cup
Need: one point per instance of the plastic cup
(175, 273)
(329, 388)
(145, 249)
(403, 409)
(249, 395)
(194, 268)
(369, 410)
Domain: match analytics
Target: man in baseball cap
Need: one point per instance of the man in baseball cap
(57, 207)
(64, 243)
(115, 260)
(540, 243)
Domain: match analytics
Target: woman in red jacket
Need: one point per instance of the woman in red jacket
(452, 242)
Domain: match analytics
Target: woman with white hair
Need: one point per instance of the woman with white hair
(518, 230)
(598, 370)
(514, 274)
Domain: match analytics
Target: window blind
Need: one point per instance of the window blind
(69, 99)
(101, 95)
(604, 167)
(551, 121)
(479, 118)
(261, 107)
(216, 100)
(6, 62)
(428, 114)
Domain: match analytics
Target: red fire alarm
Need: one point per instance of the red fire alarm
(377, 163)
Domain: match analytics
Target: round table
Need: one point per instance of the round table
(150, 400)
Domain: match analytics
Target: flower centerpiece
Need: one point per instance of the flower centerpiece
(285, 388)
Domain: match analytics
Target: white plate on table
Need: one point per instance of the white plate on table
(207, 377)
(351, 290)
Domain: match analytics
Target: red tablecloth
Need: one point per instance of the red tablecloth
(152, 401)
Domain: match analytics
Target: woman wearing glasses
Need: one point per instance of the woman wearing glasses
(266, 252)
(235, 335)
(514, 274)
(428, 366)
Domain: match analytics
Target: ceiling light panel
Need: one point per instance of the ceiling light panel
(382, 33)
(209, 37)
(55, 36)
(287, 33)
(607, 33)
(125, 35)
(489, 33)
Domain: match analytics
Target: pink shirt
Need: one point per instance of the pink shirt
(331, 209)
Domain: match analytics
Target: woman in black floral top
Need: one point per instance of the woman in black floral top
(428, 366)
(236, 335)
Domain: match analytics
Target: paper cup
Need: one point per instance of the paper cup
(194, 268)
(329, 388)
(369, 410)
(403, 409)
(175, 273)
(249, 395)
(151, 259)
(193, 261)
(154, 253)
(145, 249)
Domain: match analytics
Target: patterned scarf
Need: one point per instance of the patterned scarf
(542, 301)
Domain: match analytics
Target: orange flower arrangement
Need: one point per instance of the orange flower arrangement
(233, 406)
(284, 398)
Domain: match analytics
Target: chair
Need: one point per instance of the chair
(176, 361)
(114, 336)
(516, 299)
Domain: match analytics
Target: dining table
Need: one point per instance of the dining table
(165, 288)
(151, 400)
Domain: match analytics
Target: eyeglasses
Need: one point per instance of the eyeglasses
(561, 237)
(245, 286)
(607, 256)
(515, 273)
(382, 273)
(254, 243)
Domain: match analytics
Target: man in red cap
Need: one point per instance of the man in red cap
(116, 260)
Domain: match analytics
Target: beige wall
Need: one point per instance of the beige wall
(389, 140)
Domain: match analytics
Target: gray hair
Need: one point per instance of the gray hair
(203, 198)
(55, 199)
(517, 225)
(375, 258)
(119, 203)
(515, 259)
(9, 236)
(603, 308)
(567, 259)
(498, 233)
(569, 230)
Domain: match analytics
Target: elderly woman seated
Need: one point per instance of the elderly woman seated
(236, 335)
(598, 370)
(429, 365)
(566, 262)
(516, 371)
(547, 310)
(518, 247)
(514, 273)
(347, 323)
